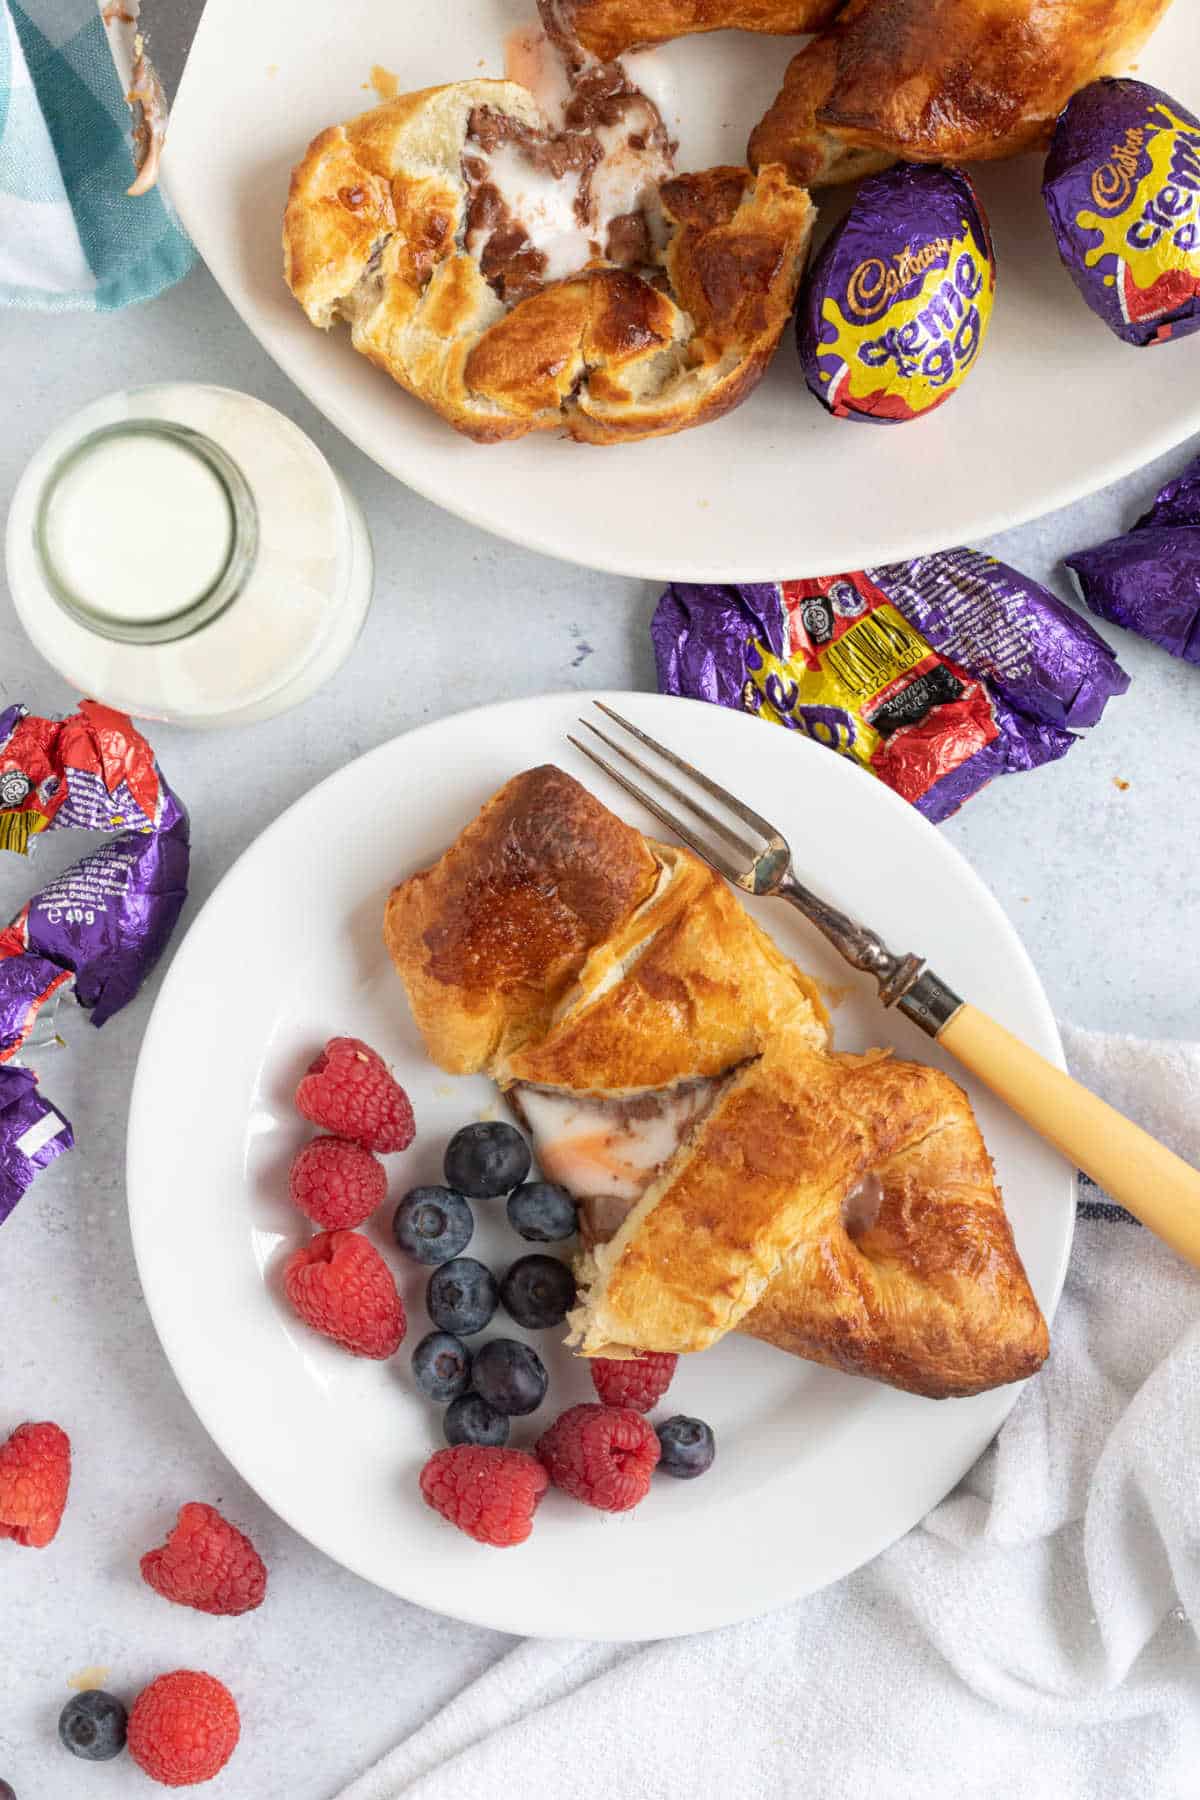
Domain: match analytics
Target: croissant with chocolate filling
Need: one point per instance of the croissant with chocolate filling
(941, 81)
(673, 1069)
(518, 279)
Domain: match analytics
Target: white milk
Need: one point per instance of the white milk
(184, 527)
(185, 552)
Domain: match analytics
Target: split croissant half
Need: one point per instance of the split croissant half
(673, 1069)
(418, 224)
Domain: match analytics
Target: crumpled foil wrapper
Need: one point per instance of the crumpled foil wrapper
(32, 1134)
(936, 675)
(1148, 580)
(96, 930)
(1122, 188)
(896, 304)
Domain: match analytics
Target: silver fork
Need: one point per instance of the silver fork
(1155, 1185)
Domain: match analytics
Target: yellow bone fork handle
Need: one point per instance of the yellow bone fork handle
(1149, 1180)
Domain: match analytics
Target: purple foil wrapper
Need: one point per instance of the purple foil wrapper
(1122, 188)
(108, 918)
(1039, 665)
(1020, 638)
(32, 1134)
(896, 304)
(1178, 503)
(98, 928)
(30, 988)
(1148, 581)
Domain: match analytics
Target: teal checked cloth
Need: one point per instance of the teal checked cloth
(70, 236)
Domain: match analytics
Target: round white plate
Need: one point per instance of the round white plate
(1056, 408)
(816, 1471)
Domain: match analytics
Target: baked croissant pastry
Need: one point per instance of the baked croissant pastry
(941, 81)
(607, 28)
(673, 1069)
(517, 279)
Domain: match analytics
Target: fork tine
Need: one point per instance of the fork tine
(746, 813)
(717, 858)
(750, 851)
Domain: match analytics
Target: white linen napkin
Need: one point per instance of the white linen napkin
(1034, 1635)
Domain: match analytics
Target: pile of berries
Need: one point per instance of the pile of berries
(602, 1454)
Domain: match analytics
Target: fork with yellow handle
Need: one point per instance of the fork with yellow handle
(1133, 1168)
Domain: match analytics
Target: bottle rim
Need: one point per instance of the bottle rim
(217, 596)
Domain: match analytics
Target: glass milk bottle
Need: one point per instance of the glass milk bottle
(185, 552)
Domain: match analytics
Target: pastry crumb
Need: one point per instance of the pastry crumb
(386, 85)
(93, 1676)
(1122, 785)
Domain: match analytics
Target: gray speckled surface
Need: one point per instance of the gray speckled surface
(1101, 882)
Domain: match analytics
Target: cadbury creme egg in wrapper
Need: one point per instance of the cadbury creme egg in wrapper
(1122, 187)
(895, 308)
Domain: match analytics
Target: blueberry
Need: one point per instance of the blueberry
(433, 1224)
(486, 1160)
(542, 1213)
(473, 1420)
(441, 1365)
(462, 1296)
(6, 1792)
(510, 1376)
(538, 1291)
(688, 1447)
(92, 1725)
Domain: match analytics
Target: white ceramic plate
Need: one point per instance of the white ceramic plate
(1056, 408)
(816, 1471)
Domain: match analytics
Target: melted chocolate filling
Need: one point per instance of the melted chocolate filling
(510, 262)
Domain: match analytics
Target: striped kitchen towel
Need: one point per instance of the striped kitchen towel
(70, 236)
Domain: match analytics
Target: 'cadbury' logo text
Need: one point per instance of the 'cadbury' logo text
(874, 285)
(1112, 182)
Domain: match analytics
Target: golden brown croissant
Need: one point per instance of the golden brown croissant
(607, 28)
(519, 280)
(941, 81)
(672, 1067)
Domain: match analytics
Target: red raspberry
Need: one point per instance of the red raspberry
(335, 1183)
(35, 1473)
(341, 1286)
(207, 1563)
(489, 1493)
(350, 1091)
(183, 1728)
(602, 1455)
(638, 1384)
